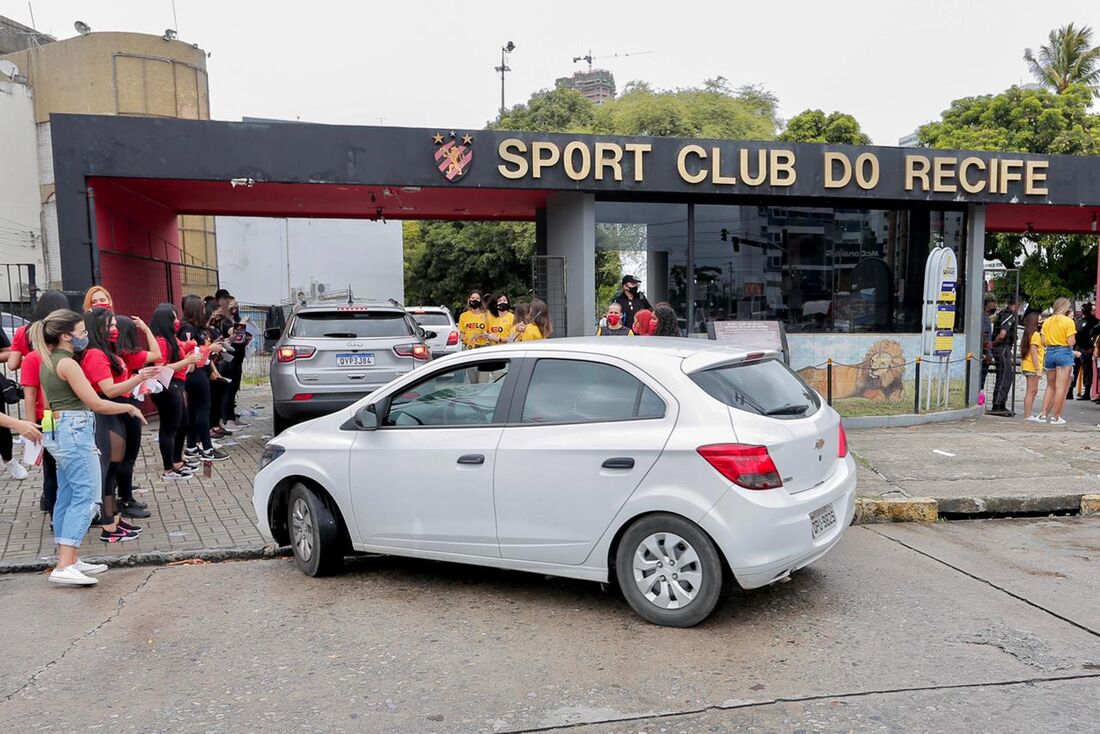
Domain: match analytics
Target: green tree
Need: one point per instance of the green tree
(549, 111)
(1068, 59)
(814, 126)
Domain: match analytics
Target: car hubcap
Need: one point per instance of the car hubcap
(667, 571)
(302, 529)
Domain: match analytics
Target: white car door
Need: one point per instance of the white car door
(583, 432)
(423, 479)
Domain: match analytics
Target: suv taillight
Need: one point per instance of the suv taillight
(452, 339)
(750, 467)
(289, 354)
(416, 351)
(842, 444)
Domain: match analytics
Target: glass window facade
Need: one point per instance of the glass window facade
(815, 269)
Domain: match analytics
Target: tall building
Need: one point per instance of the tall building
(597, 85)
(101, 73)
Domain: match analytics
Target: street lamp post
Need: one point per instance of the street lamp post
(504, 51)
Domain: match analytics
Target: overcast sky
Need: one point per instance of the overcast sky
(894, 65)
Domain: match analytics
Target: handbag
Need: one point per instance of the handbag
(10, 390)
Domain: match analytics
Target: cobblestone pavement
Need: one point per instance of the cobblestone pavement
(204, 513)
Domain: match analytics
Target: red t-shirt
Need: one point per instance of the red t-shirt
(96, 366)
(29, 376)
(135, 361)
(19, 341)
(164, 356)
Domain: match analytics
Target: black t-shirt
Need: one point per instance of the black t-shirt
(1004, 321)
(198, 334)
(1086, 325)
(631, 306)
(5, 343)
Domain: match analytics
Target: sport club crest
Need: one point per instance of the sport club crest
(454, 154)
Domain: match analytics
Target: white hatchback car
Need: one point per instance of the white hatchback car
(662, 464)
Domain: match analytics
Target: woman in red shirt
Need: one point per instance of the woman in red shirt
(170, 403)
(124, 342)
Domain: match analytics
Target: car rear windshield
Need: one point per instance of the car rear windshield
(766, 387)
(432, 319)
(350, 324)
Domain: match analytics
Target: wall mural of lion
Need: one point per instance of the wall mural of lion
(877, 377)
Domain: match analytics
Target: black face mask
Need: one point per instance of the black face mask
(503, 307)
(474, 303)
(632, 287)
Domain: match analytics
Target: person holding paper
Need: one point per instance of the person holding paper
(172, 430)
(194, 329)
(125, 344)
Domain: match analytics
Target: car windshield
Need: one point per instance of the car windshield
(350, 324)
(765, 387)
(432, 319)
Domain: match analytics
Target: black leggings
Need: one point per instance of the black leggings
(5, 438)
(49, 483)
(217, 400)
(172, 431)
(125, 474)
(110, 439)
(198, 409)
(233, 371)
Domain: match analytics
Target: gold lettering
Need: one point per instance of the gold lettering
(638, 149)
(994, 188)
(964, 180)
(1007, 174)
(867, 181)
(586, 161)
(609, 155)
(539, 162)
(781, 171)
(681, 163)
(716, 171)
(506, 155)
(761, 166)
(831, 181)
(943, 170)
(1034, 177)
(916, 166)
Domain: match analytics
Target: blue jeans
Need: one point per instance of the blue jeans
(1058, 357)
(79, 481)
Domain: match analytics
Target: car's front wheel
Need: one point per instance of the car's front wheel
(669, 570)
(315, 533)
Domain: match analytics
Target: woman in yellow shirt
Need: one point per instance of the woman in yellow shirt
(532, 322)
(501, 319)
(1032, 352)
(1059, 333)
(473, 323)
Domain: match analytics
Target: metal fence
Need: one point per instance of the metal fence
(548, 280)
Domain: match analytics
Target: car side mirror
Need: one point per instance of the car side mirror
(273, 333)
(429, 335)
(365, 419)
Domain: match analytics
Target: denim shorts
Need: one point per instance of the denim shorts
(1058, 357)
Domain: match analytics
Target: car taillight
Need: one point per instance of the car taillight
(452, 339)
(302, 396)
(416, 351)
(750, 467)
(289, 354)
(842, 443)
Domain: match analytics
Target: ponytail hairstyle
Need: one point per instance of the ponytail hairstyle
(163, 325)
(45, 334)
(1062, 306)
(540, 317)
(127, 336)
(98, 322)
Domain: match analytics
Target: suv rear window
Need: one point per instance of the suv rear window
(350, 324)
(432, 319)
(767, 387)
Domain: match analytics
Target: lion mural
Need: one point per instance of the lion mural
(877, 377)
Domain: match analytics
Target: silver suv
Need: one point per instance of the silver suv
(439, 320)
(331, 355)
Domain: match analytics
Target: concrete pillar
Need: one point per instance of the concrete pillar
(571, 233)
(656, 282)
(975, 291)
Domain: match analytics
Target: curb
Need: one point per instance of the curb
(870, 511)
(873, 510)
(161, 558)
(1090, 504)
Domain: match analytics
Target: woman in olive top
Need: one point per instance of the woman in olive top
(474, 323)
(1058, 333)
(1032, 352)
(70, 436)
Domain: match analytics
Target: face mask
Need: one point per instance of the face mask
(632, 287)
(112, 336)
(613, 320)
(503, 307)
(104, 306)
(80, 343)
(474, 303)
(176, 325)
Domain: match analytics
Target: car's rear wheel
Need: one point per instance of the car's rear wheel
(669, 570)
(279, 423)
(315, 533)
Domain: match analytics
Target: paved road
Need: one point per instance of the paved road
(986, 626)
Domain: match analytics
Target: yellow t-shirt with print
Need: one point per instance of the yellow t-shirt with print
(1025, 363)
(530, 333)
(1057, 330)
(474, 327)
(501, 326)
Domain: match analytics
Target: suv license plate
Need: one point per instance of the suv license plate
(354, 360)
(822, 520)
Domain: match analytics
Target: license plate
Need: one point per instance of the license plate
(354, 360)
(822, 520)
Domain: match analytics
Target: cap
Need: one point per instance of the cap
(630, 279)
(222, 293)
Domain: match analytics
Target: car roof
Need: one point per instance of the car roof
(428, 309)
(697, 354)
(356, 306)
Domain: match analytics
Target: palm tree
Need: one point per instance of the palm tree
(1069, 58)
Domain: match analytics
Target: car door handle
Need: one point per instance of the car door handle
(619, 462)
(471, 459)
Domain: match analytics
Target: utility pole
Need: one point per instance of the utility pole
(504, 51)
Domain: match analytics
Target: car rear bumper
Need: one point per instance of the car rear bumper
(767, 535)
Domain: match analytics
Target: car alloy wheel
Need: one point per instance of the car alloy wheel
(317, 534)
(667, 571)
(301, 530)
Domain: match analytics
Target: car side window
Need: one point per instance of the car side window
(577, 391)
(463, 396)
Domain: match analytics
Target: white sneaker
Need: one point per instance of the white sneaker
(70, 576)
(1057, 422)
(1035, 418)
(17, 470)
(89, 569)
